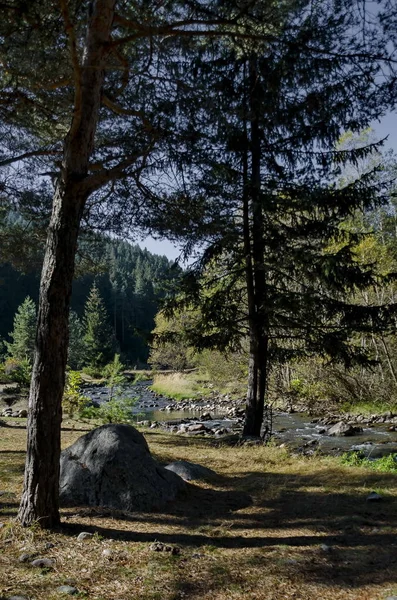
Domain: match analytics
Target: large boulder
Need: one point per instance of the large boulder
(111, 466)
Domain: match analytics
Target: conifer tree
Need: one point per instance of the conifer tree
(76, 342)
(98, 335)
(23, 334)
(263, 192)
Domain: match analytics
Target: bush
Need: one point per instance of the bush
(386, 464)
(18, 371)
(73, 401)
(116, 410)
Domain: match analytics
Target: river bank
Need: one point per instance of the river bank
(220, 417)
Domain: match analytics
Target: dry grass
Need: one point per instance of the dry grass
(180, 385)
(255, 533)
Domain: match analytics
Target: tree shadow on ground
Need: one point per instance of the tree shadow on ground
(358, 537)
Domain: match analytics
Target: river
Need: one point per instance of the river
(295, 430)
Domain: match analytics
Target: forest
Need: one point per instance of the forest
(131, 283)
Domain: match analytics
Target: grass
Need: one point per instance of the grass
(368, 408)
(181, 386)
(386, 464)
(270, 527)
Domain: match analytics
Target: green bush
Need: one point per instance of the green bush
(116, 410)
(18, 371)
(386, 464)
(73, 401)
(94, 372)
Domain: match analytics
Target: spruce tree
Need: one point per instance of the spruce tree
(76, 342)
(98, 333)
(23, 334)
(262, 139)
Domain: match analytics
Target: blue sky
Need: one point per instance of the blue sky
(386, 127)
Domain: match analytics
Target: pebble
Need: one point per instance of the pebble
(107, 553)
(49, 545)
(68, 590)
(84, 535)
(325, 548)
(374, 497)
(25, 557)
(160, 547)
(17, 598)
(42, 562)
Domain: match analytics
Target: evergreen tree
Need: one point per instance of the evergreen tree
(24, 332)
(77, 346)
(262, 180)
(98, 334)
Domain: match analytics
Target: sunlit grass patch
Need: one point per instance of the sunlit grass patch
(180, 386)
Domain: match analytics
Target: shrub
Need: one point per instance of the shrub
(18, 371)
(116, 410)
(386, 464)
(73, 401)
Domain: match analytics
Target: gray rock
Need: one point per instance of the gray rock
(25, 557)
(17, 598)
(49, 545)
(343, 429)
(67, 590)
(111, 466)
(190, 471)
(23, 413)
(206, 417)
(84, 535)
(196, 427)
(42, 563)
(374, 497)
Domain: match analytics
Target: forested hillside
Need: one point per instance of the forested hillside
(131, 283)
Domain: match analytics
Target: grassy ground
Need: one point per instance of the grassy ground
(181, 386)
(270, 526)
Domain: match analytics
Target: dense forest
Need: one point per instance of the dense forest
(131, 283)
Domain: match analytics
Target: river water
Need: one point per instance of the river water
(295, 430)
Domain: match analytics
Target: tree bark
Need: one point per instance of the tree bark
(255, 270)
(40, 499)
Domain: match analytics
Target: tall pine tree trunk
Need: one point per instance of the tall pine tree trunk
(40, 499)
(255, 269)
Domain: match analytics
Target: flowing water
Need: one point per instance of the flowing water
(295, 430)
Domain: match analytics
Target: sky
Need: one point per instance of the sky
(386, 127)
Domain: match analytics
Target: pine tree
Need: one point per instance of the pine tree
(262, 183)
(98, 334)
(24, 332)
(76, 342)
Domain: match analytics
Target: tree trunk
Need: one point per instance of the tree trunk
(40, 499)
(255, 269)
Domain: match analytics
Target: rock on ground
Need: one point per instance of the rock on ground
(343, 429)
(111, 466)
(191, 471)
